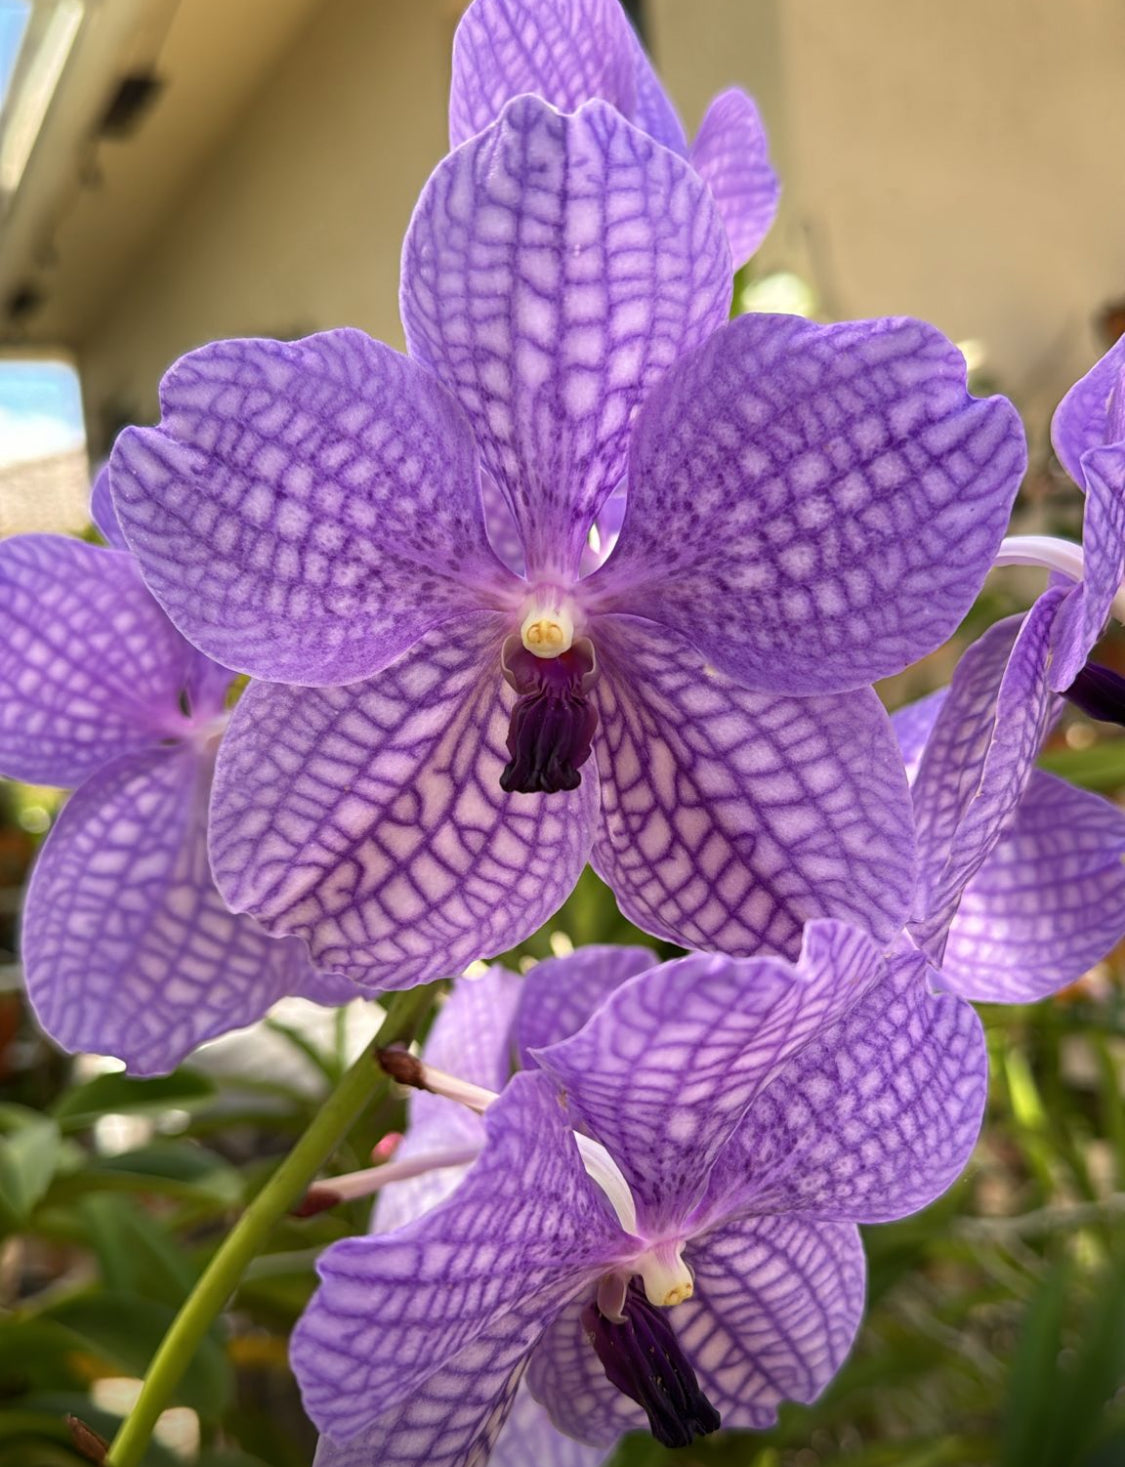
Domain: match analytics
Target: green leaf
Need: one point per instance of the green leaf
(136, 1254)
(122, 1332)
(29, 1154)
(120, 1094)
(1032, 1401)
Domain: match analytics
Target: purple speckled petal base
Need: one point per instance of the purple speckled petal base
(1047, 904)
(731, 152)
(555, 267)
(128, 948)
(777, 1304)
(873, 1119)
(680, 1052)
(306, 510)
(814, 507)
(731, 818)
(90, 667)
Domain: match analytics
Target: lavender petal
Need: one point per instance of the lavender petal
(1047, 904)
(523, 1233)
(306, 510)
(560, 994)
(369, 820)
(873, 1119)
(555, 267)
(564, 51)
(452, 1418)
(1083, 615)
(913, 723)
(1090, 415)
(777, 1305)
(978, 760)
(682, 1050)
(103, 513)
(530, 1438)
(731, 152)
(90, 668)
(731, 818)
(471, 1038)
(569, 1381)
(128, 948)
(833, 493)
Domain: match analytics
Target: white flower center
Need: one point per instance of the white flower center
(548, 631)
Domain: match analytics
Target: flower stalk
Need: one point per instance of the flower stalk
(360, 1085)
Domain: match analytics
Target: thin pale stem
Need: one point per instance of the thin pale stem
(357, 1088)
(1053, 554)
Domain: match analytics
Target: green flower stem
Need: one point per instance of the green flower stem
(358, 1087)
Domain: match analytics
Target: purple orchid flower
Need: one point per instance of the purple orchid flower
(128, 949)
(808, 508)
(678, 1179)
(1020, 875)
(571, 51)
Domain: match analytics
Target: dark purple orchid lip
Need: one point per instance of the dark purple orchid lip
(553, 723)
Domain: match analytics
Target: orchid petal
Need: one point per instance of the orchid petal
(369, 820)
(564, 51)
(1083, 615)
(913, 724)
(471, 1038)
(814, 507)
(529, 1440)
(976, 765)
(523, 1233)
(873, 1119)
(555, 267)
(560, 994)
(567, 1378)
(1090, 415)
(453, 1417)
(680, 1051)
(731, 151)
(103, 513)
(1047, 904)
(306, 510)
(731, 818)
(777, 1305)
(127, 946)
(90, 667)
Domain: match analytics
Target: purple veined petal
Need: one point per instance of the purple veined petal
(524, 1233)
(471, 1038)
(529, 1439)
(1084, 420)
(653, 111)
(679, 1052)
(329, 990)
(1083, 615)
(976, 765)
(453, 1418)
(1047, 904)
(555, 267)
(814, 507)
(777, 1305)
(90, 667)
(913, 723)
(102, 511)
(873, 1119)
(569, 1381)
(307, 510)
(560, 994)
(128, 948)
(369, 820)
(564, 51)
(731, 818)
(503, 532)
(731, 151)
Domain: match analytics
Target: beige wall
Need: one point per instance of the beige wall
(297, 223)
(958, 161)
